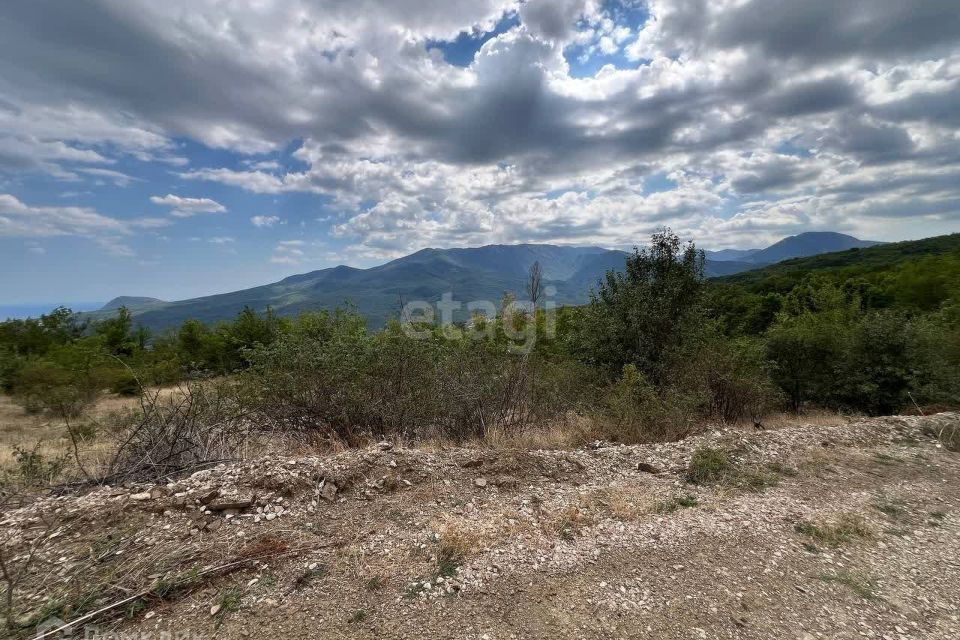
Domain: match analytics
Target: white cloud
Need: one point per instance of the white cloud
(118, 178)
(21, 220)
(221, 240)
(264, 221)
(18, 219)
(288, 252)
(187, 207)
(753, 118)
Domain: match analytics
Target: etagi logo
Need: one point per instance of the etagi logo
(57, 629)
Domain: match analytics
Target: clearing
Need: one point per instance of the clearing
(805, 531)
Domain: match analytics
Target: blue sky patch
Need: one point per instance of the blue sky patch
(463, 49)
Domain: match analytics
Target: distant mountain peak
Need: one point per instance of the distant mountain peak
(809, 243)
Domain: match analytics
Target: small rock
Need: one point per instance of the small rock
(646, 467)
(215, 609)
(328, 492)
(139, 497)
(480, 482)
(385, 446)
(209, 497)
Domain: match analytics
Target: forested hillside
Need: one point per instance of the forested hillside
(658, 350)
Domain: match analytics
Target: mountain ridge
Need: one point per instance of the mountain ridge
(469, 273)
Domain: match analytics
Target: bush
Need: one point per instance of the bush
(731, 377)
(709, 465)
(636, 412)
(807, 351)
(200, 424)
(877, 371)
(35, 469)
(125, 383)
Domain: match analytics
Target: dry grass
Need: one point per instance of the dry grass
(815, 417)
(624, 503)
(845, 528)
(573, 431)
(568, 432)
(49, 435)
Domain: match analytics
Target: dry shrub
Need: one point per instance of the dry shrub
(565, 432)
(456, 543)
(202, 424)
(263, 547)
(566, 522)
(948, 435)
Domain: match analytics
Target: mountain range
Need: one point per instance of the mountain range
(481, 273)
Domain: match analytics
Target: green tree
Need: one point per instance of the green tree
(806, 351)
(877, 371)
(640, 315)
(116, 333)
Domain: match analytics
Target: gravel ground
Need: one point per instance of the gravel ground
(846, 531)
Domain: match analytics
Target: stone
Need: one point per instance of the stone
(209, 496)
(234, 506)
(140, 497)
(480, 482)
(328, 492)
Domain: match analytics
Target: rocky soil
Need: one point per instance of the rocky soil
(848, 531)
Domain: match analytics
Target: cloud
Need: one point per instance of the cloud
(221, 240)
(264, 221)
(757, 117)
(21, 220)
(289, 252)
(18, 219)
(116, 177)
(552, 19)
(187, 207)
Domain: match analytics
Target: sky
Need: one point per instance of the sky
(188, 147)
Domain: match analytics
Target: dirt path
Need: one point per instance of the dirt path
(816, 532)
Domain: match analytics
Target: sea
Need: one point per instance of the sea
(36, 309)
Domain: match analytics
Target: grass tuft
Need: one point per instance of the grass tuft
(863, 587)
(708, 465)
(680, 501)
(845, 529)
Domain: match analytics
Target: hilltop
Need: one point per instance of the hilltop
(131, 302)
(855, 262)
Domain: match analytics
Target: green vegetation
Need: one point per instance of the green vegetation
(358, 616)
(709, 465)
(846, 528)
(656, 352)
(872, 330)
(863, 587)
(680, 501)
